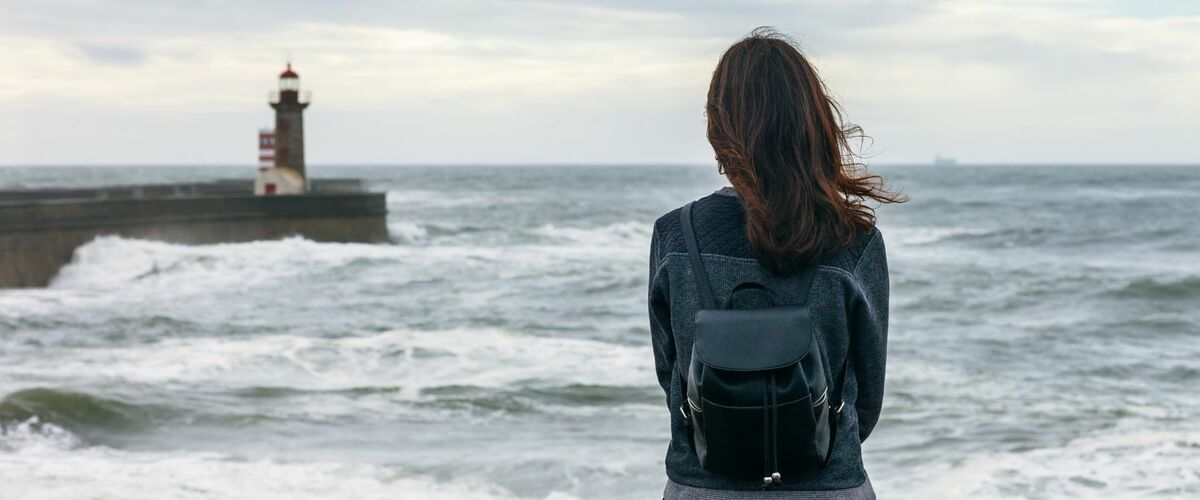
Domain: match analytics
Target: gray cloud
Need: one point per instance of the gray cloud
(121, 55)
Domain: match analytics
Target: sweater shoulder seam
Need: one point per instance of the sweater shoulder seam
(866, 248)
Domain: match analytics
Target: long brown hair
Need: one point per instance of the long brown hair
(780, 140)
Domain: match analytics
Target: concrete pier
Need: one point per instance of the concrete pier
(40, 229)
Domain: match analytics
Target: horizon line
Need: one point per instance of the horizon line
(251, 166)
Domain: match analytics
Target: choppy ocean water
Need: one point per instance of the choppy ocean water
(1045, 343)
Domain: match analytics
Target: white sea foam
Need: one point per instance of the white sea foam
(918, 236)
(33, 434)
(1121, 463)
(114, 273)
(115, 262)
(110, 261)
(631, 235)
(413, 360)
(51, 474)
(431, 199)
(407, 232)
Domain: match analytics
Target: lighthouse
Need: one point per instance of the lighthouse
(289, 122)
(284, 146)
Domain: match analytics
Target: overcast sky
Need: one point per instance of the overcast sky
(186, 82)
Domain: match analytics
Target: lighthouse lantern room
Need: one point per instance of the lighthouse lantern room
(289, 80)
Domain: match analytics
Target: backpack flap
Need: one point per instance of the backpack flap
(752, 339)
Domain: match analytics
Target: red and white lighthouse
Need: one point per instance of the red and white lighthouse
(281, 168)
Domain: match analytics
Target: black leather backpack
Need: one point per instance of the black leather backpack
(758, 400)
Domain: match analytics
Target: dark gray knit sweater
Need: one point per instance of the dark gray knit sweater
(849, 297)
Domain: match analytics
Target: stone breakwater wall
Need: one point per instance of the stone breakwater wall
(39, 234)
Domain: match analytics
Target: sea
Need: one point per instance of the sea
(1044, 342)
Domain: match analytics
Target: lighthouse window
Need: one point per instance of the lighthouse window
(289, 84)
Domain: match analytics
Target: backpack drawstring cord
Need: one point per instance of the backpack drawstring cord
(766, 436)
(775, 477)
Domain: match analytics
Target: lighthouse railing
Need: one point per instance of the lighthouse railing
(304, 97)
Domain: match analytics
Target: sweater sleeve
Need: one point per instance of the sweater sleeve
(661, 338)
(868, 330)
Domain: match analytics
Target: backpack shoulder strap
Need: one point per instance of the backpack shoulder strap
(806, 280)
(707, 300)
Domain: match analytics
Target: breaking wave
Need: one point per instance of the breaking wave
(72, 410)
(415, 361)
(109, 261)
(630, 234)
(1138, 462)
(50, 472)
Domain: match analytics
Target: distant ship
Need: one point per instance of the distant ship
(944, 161)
